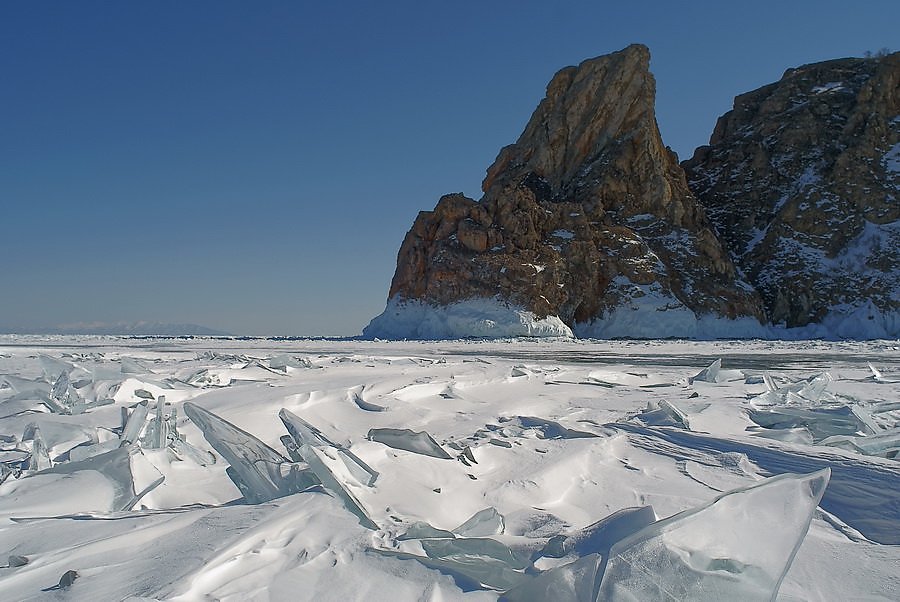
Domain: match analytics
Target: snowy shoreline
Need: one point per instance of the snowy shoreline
(644, 317)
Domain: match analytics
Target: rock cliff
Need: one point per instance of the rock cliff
(586, 222)
(802, 182)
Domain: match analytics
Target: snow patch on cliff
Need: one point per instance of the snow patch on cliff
(482, 318)
(648, 312)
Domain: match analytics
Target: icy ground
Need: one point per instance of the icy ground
(202, 469)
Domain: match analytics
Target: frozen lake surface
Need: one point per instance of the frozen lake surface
(257, 469)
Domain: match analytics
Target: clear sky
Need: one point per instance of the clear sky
(254, 166)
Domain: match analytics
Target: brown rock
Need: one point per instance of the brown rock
(584, 210)
(798, 181)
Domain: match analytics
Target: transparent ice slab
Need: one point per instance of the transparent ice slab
(115, 467)
(481, 524)
(136, 423)
(304, 433)
(473, 548)
(61, 391)
(256, 468)
(24, 385)
(738, 547)
(53, 367)
(185, 450)
(821, 422)
(308, 438)
(284, 361)
(550, 429)
(575, 582)
(600, 536)
(578, 580)
(418, 442)
(710, 374)
(333, 485)
(474, 563)
(40, 455)
(85, 451)
(804, 392)
(664, 413)
(157, 433)
(885, 444)
(130, 365)
(423, 530)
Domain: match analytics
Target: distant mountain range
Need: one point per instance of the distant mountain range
(121, 328)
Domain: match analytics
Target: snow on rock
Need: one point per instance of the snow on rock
(649, 313)
(490, 318)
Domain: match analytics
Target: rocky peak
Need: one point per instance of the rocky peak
(802, 182)
(587, 219)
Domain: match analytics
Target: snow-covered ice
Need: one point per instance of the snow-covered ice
(529, 469)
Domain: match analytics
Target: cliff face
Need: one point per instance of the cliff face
(802, 182)
(587, 215)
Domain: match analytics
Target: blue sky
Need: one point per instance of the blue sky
(254, 166)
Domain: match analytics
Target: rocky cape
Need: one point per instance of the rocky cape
(802, 182)
(588, 226)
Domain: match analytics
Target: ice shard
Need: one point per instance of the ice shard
(738, 547)
(885, 444)
(136, 423)
(308, 438)
(664, 413)
(481, 524)
(550, 429)
(710, 374)
(418, 442)
(81, 406)
(284, 361)
(481, 562)
(60, 391)
(599, 537)
(21, 403)
(815, 387)
(821, 422)
(88, 450)
(53, 367)
(865, 419)
(333, 485)
(675, 412)
(803, 393)
(183, 450)
(256, 468)
(40, 455)
(157, 435)
(132, 366)
(876, 374)
(473, 548)
(304, 433)
(579, 580)
(423, 530)
(24, 385)
(291, 447)
(573, 582)
(115, 467)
